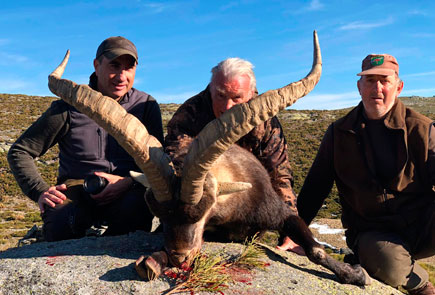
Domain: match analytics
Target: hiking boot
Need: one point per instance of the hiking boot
(350, 258)
(34, 235)
(427, 289)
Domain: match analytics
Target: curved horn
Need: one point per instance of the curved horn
(222, 132)
(130, 133)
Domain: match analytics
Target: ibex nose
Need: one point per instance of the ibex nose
(178, 257)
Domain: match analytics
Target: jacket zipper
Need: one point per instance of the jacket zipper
(99, 143)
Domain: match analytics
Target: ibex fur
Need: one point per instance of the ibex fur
(223, 188)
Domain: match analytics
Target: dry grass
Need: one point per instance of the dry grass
(213, 272)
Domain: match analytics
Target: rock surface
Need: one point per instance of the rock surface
(105, 265)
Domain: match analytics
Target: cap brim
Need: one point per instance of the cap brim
(114, 53)
(377, 71)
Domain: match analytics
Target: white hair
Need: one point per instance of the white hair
(233, 67)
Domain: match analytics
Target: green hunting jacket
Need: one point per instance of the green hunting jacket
(266, 141)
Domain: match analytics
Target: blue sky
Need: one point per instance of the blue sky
(180, 41)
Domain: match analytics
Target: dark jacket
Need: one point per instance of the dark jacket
(84, 147)
(266, 141)
(373, 199)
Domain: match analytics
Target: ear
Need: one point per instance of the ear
(399, 87)
(140, 177)
(358, 85)
(253, 94)
(96, 65)
(225, 188)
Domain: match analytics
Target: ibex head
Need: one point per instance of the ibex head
(183, 223)
(183, 203)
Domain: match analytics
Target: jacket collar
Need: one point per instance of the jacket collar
(394, 119)
(207, 100)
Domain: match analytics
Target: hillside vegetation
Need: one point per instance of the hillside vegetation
(303, 130)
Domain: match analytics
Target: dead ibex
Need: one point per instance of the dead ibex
(222, 185)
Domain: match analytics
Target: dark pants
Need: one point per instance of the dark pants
(390, 256)
(79, 212)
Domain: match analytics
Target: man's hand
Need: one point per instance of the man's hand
(51, 197)
(288, 244)
(115, 187)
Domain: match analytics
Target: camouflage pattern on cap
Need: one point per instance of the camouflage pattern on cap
(114, 47)
(379, 64)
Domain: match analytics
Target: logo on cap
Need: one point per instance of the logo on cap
(377, 60)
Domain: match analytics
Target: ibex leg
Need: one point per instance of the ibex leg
(298, 231)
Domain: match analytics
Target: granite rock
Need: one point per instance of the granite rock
(105, 265)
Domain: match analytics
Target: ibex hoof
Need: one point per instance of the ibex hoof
(151, 267)
(358, 276)
(367, 278)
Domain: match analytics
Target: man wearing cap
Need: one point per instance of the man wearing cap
(86, 149)
(381, 156)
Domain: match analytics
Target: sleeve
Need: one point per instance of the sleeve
(153, 120)
(319, 181)
(34, 142)
(431, 154)
(273, 155)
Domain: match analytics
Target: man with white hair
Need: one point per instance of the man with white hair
(232, 82)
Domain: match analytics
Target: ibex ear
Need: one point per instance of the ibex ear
(140, 177)
(225, 188)
(212, 189)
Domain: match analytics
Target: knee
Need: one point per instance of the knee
(64, 222)
(385, 259)
(54, 229)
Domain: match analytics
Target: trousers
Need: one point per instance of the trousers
(79, 212)
(391, 256)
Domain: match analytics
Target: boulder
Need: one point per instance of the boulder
(105, 265)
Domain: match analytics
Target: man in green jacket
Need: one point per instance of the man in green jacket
(381, 156)
(232, 82)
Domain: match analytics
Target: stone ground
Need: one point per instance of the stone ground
(105, 265)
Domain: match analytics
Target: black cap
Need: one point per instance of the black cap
(113, 47)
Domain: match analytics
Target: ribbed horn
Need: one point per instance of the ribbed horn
(128, 131)
(224, 131)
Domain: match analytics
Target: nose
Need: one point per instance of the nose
(178, 257)
(122, 75)
(229, 104)
(174, 261)
(379, 86)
